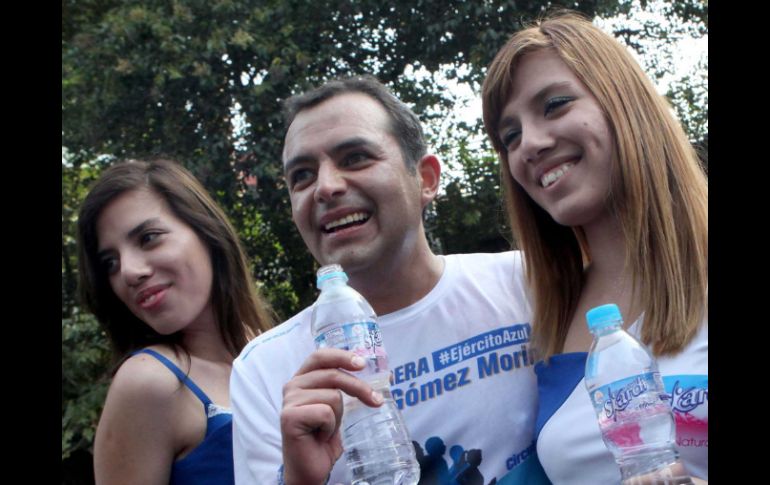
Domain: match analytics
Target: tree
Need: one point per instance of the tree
(155, 76)
(655, 31)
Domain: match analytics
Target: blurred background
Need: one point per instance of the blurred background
(202, 82)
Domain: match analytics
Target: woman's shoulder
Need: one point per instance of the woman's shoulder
(143, 377)
(142, 421)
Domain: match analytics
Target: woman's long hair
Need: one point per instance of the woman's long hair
(241, 312)
(660, 192)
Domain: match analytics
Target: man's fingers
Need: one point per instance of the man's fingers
(328, 369)
(332, 359)
(318, 420)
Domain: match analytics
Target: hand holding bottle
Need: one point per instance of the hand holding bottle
(312, 413)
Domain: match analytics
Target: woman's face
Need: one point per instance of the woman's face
(156, 264)
(558, 143)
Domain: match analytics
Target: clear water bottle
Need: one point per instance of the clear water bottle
(631, 405)
(378, 450)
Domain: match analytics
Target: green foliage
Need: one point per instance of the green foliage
(689, 97)
(469, 215)
(201, 82)
(76, 176)
(654, 29)
(85, 356)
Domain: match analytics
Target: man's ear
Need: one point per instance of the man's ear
(429, 171)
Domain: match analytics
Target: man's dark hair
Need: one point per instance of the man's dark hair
(404, 124)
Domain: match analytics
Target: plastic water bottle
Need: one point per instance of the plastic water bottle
(378, 450)
(631, 405)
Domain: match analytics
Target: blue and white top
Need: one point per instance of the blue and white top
(569, 443)
(211, 462)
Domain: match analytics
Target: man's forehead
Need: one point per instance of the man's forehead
(343, 108)
(335, 121)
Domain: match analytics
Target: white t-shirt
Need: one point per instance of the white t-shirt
(462, 369)
(569, 444)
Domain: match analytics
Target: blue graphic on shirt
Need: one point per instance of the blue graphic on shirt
(465, 465)
(687, 392)
(480, 344)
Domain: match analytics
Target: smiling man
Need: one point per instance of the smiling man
(456, 328)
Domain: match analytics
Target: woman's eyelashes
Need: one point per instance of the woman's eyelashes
(146, 239)
(149, 237)
(509, 138)
(109, 264)
(553, 104)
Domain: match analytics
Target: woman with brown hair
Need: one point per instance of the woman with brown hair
(608, 203)
(164, 273)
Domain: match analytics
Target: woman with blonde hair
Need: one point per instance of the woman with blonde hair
(608, 203)
(163, 271)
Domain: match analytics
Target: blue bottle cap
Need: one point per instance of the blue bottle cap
(328, 272)
(603, 316)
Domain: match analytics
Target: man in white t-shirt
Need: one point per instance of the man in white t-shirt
(456, 328)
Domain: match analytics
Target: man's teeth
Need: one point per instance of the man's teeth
(149, 299)
(355, 217)
(554, 175)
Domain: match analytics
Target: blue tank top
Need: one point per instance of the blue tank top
(211, 462)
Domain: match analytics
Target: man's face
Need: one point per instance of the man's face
(352, 197)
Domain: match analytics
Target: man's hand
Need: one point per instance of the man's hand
(312, 412)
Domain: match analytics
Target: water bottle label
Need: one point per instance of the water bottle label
(361, 338)
(627, 398)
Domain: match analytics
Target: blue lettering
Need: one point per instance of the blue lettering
(463, 376)
(398, 375)
(409, 372)
(415, 394)
(620, 400)
(517, 458)
(422, 366)
(488, 365)
(412, 395)
(455, 353)
(493, 364)
(467, 349)
(450, 382)
(431, 389)
(685, 400)
(506, 361)
(398, 397)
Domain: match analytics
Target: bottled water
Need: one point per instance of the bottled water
(378, 450)
(631, 405)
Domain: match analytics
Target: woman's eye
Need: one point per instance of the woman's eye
(509, 138)
(556, 103)
(149, 237)
(109, 265)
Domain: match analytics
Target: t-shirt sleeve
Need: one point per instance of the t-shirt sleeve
(257, 456)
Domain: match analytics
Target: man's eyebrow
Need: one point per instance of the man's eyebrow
(132, 233)
(354, 142)
(293, 161)
(344, 145)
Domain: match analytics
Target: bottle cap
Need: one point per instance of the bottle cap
(328, 272)
(603, 316)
